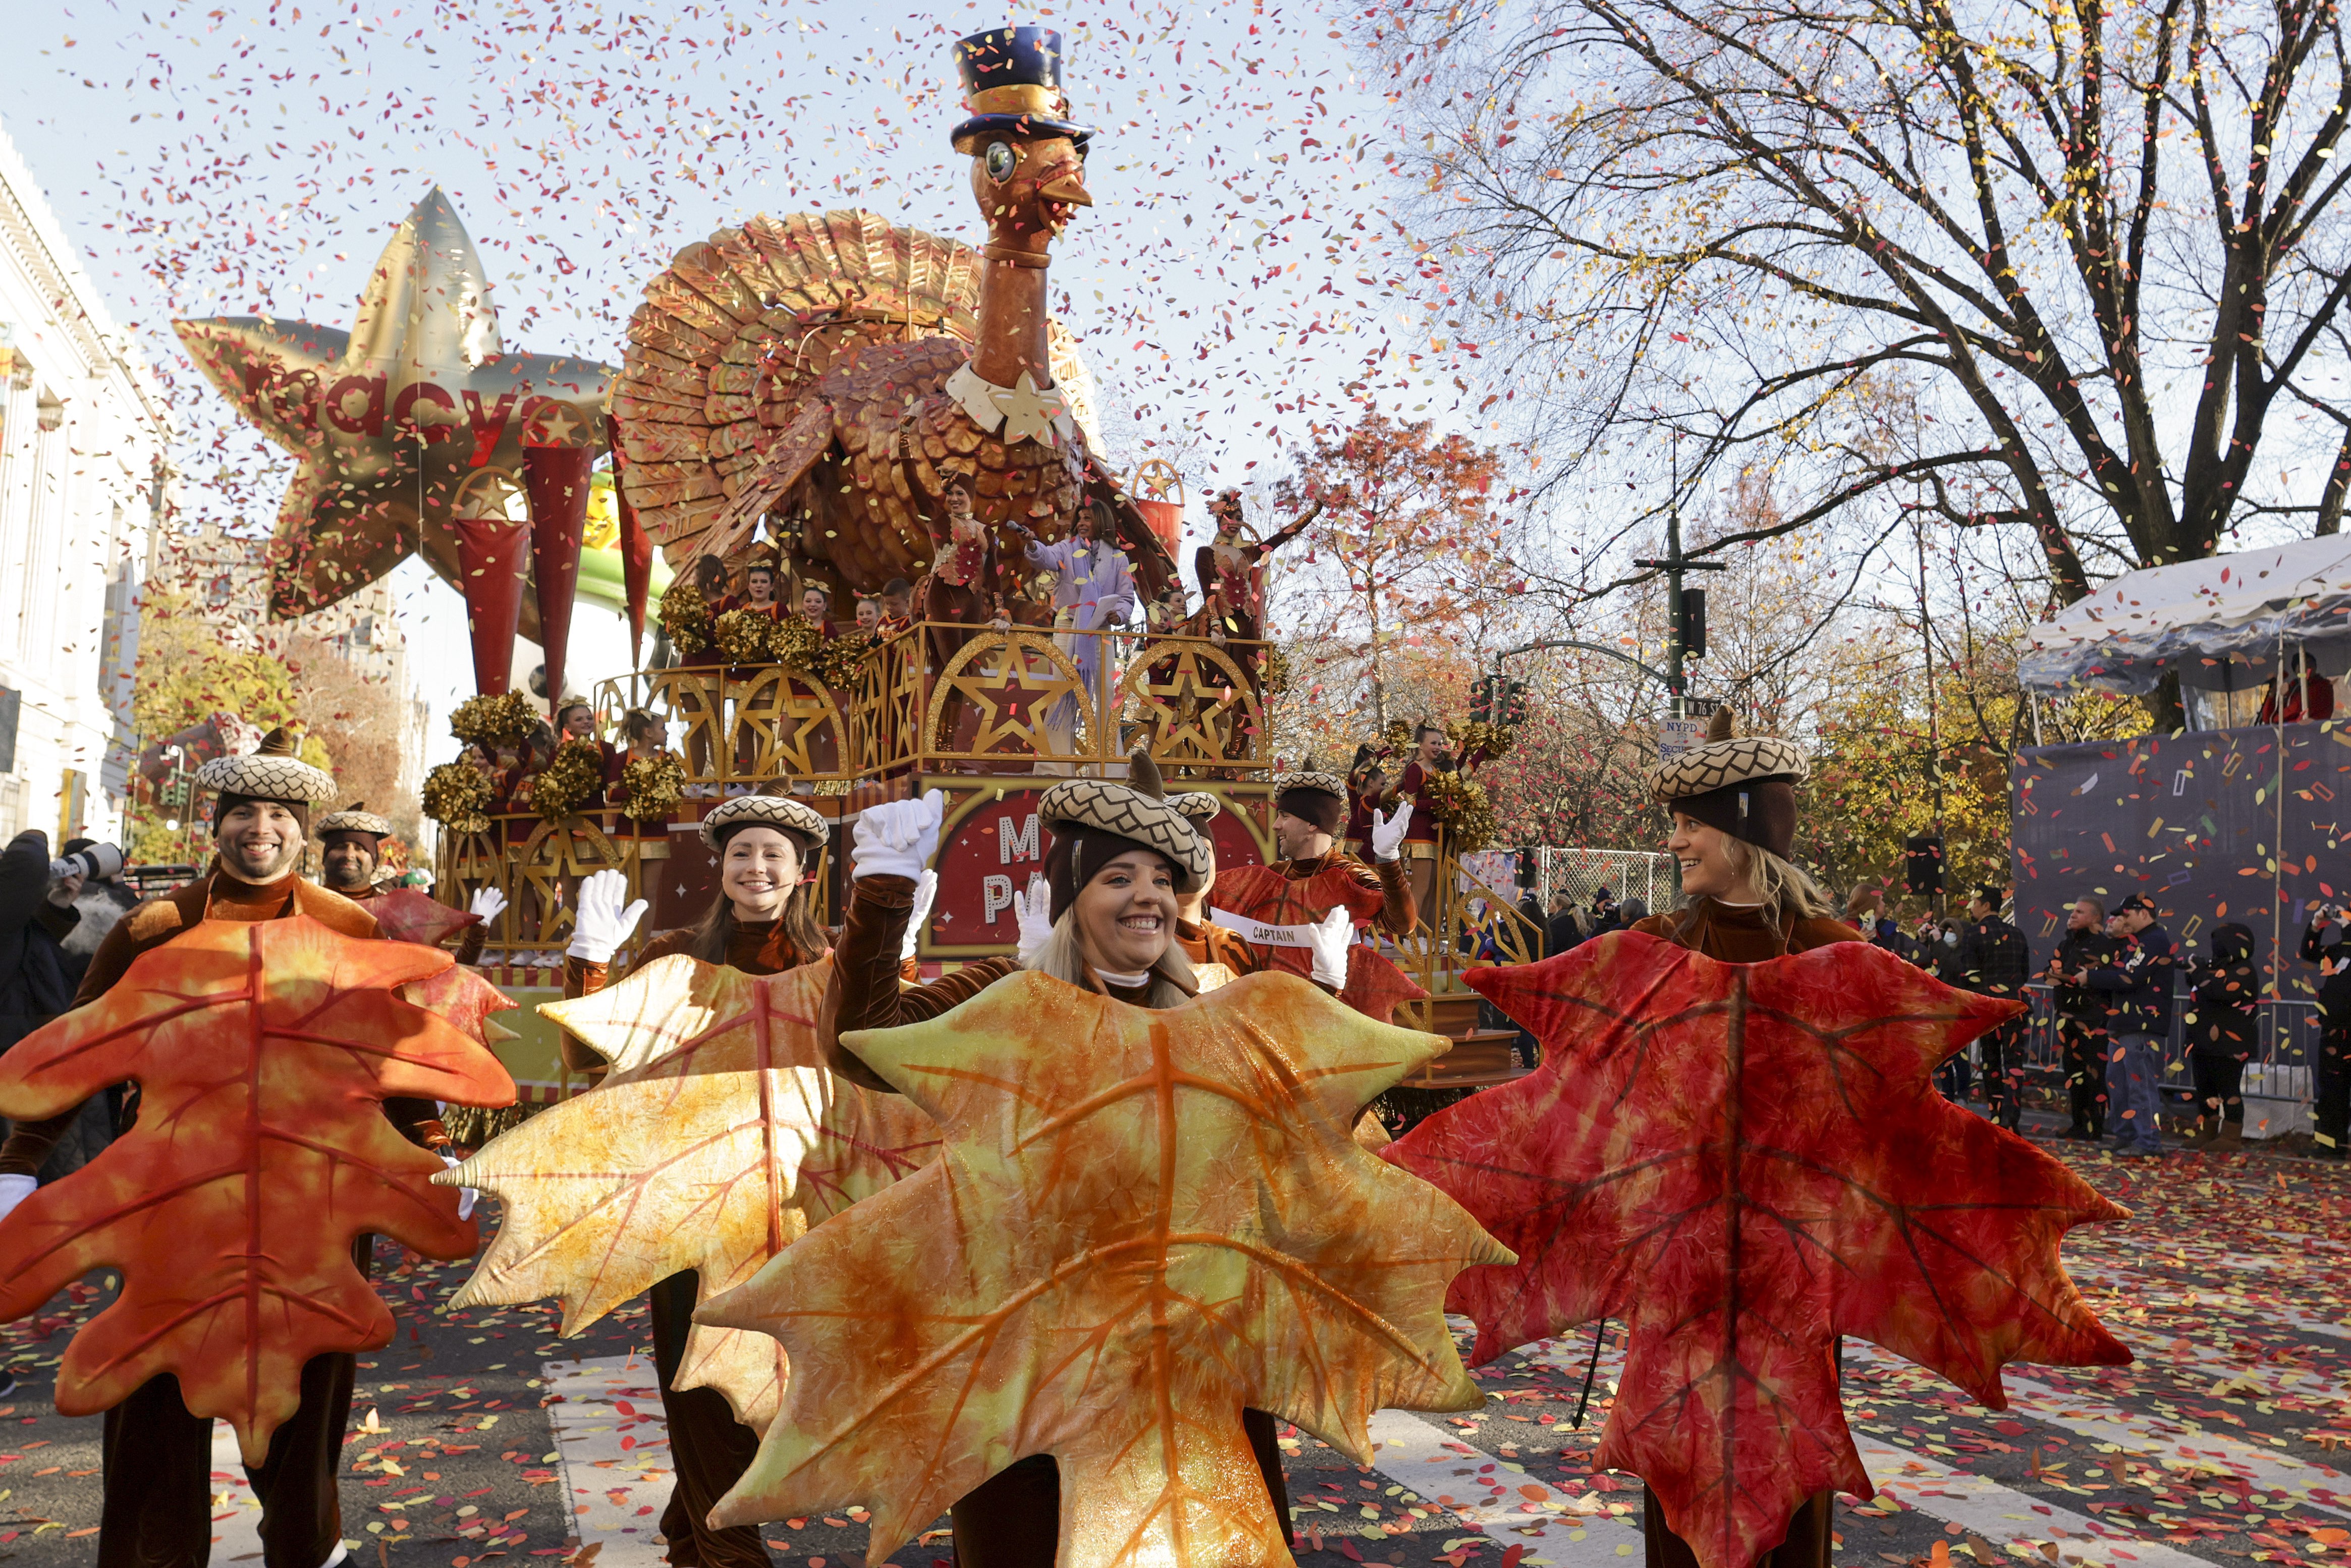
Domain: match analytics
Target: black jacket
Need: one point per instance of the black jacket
(1995, 959)
(37, 976)
(1531, 911)
(2076, 952)
(2224, 994)
(2138, 978)
(1564, 932)
(2335, 990)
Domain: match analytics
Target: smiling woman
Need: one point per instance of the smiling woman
(1123, 853)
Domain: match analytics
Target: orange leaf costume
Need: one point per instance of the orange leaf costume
(264, 1051)
(1742, 1162)
(1142, 1221)
(717, 1140)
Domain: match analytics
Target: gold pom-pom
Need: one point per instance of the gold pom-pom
(490, 722)
(457, 797)
(1461, 807)
(1273, 671)
(1475, 740)
(745, 637)
(837, 661)
(798, 643)
(572, 777)
(654, 785)
(685, 617)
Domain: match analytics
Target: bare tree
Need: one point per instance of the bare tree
(2102, 240)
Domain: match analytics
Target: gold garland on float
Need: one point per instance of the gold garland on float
(457, 797)
(654, 785)
(836, 662)
(572, 775)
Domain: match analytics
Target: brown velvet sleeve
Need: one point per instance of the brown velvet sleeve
(1399, 912)
(419, 1121)
(865, 992)
(470, 941)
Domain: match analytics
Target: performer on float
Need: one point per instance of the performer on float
(1734, 804)
(157, 1457)
(1221, 953)
(1278, 906)
(351, 848)
(1367, 786)
(1427, 760)
(1123, 855)
(765, 846)
(1093, 592)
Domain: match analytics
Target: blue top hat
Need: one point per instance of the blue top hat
(1012, 85)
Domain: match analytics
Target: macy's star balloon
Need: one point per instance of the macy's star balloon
(416, 418)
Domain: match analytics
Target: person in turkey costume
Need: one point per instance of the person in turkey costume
(158, 1456)
(1122, 856)
(766, 847)
(1733, 805)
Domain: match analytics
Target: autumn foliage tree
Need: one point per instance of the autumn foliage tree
(2106, 240)
(1409, 540)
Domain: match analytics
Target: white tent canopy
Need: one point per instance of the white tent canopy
(2220, 624)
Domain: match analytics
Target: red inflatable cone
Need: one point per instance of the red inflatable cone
(556, 478)
(489, 553)
(636, 553)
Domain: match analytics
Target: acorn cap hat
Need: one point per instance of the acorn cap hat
(354, 817)
(1743, 785)
(1138, 809)
(766, 812)
(273, 773)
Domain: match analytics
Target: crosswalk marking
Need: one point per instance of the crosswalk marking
(614, 1462)
(235, 1511)
(2001, 1515)
(1414, 1453)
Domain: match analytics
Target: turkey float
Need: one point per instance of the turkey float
(851, 383)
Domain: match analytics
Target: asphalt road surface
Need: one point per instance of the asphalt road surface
(481, 1436)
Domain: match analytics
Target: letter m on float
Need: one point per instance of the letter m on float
(1011, 847)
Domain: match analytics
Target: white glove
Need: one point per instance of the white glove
(465, 1194)
(926, 888)
(1387, 832)
(488, 903)
(1329, 937)
(13, 1190)
(602, 925)
(898, 838)
(1034, 911)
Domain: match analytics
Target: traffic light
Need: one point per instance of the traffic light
(1481, 700)
(1514, 703)
(1924, 870)
(1692, 621)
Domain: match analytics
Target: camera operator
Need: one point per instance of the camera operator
(2224, 994)
(2082, 1015)
(1995, 962)
(2334, 960)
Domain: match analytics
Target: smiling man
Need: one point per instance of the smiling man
(157, 1457)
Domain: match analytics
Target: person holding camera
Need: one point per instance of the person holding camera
(2326, 943)
(1994, 961)
(2223, 995)
(2082, 1015)
(2137, 978)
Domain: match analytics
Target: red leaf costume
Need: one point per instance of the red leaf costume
(264, 1051)
(1743, 1161)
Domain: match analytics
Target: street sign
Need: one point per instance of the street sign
(1675, 736)
(1700, 707)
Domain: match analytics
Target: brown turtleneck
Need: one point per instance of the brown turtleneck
(1742, 933)
(216, 895)
(755, 946)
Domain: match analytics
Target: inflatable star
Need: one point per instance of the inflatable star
(416, 417)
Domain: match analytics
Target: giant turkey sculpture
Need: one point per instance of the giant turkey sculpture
(840, 377)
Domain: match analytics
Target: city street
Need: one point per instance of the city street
(479, 1434)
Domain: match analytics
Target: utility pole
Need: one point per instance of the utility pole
(1682, 615)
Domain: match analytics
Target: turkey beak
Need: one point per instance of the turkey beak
(1068, 185)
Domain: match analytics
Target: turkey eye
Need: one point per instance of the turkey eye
(1000, 161)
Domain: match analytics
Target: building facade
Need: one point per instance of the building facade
(83, 433)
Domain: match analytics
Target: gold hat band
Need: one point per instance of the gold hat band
(1020, 99)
